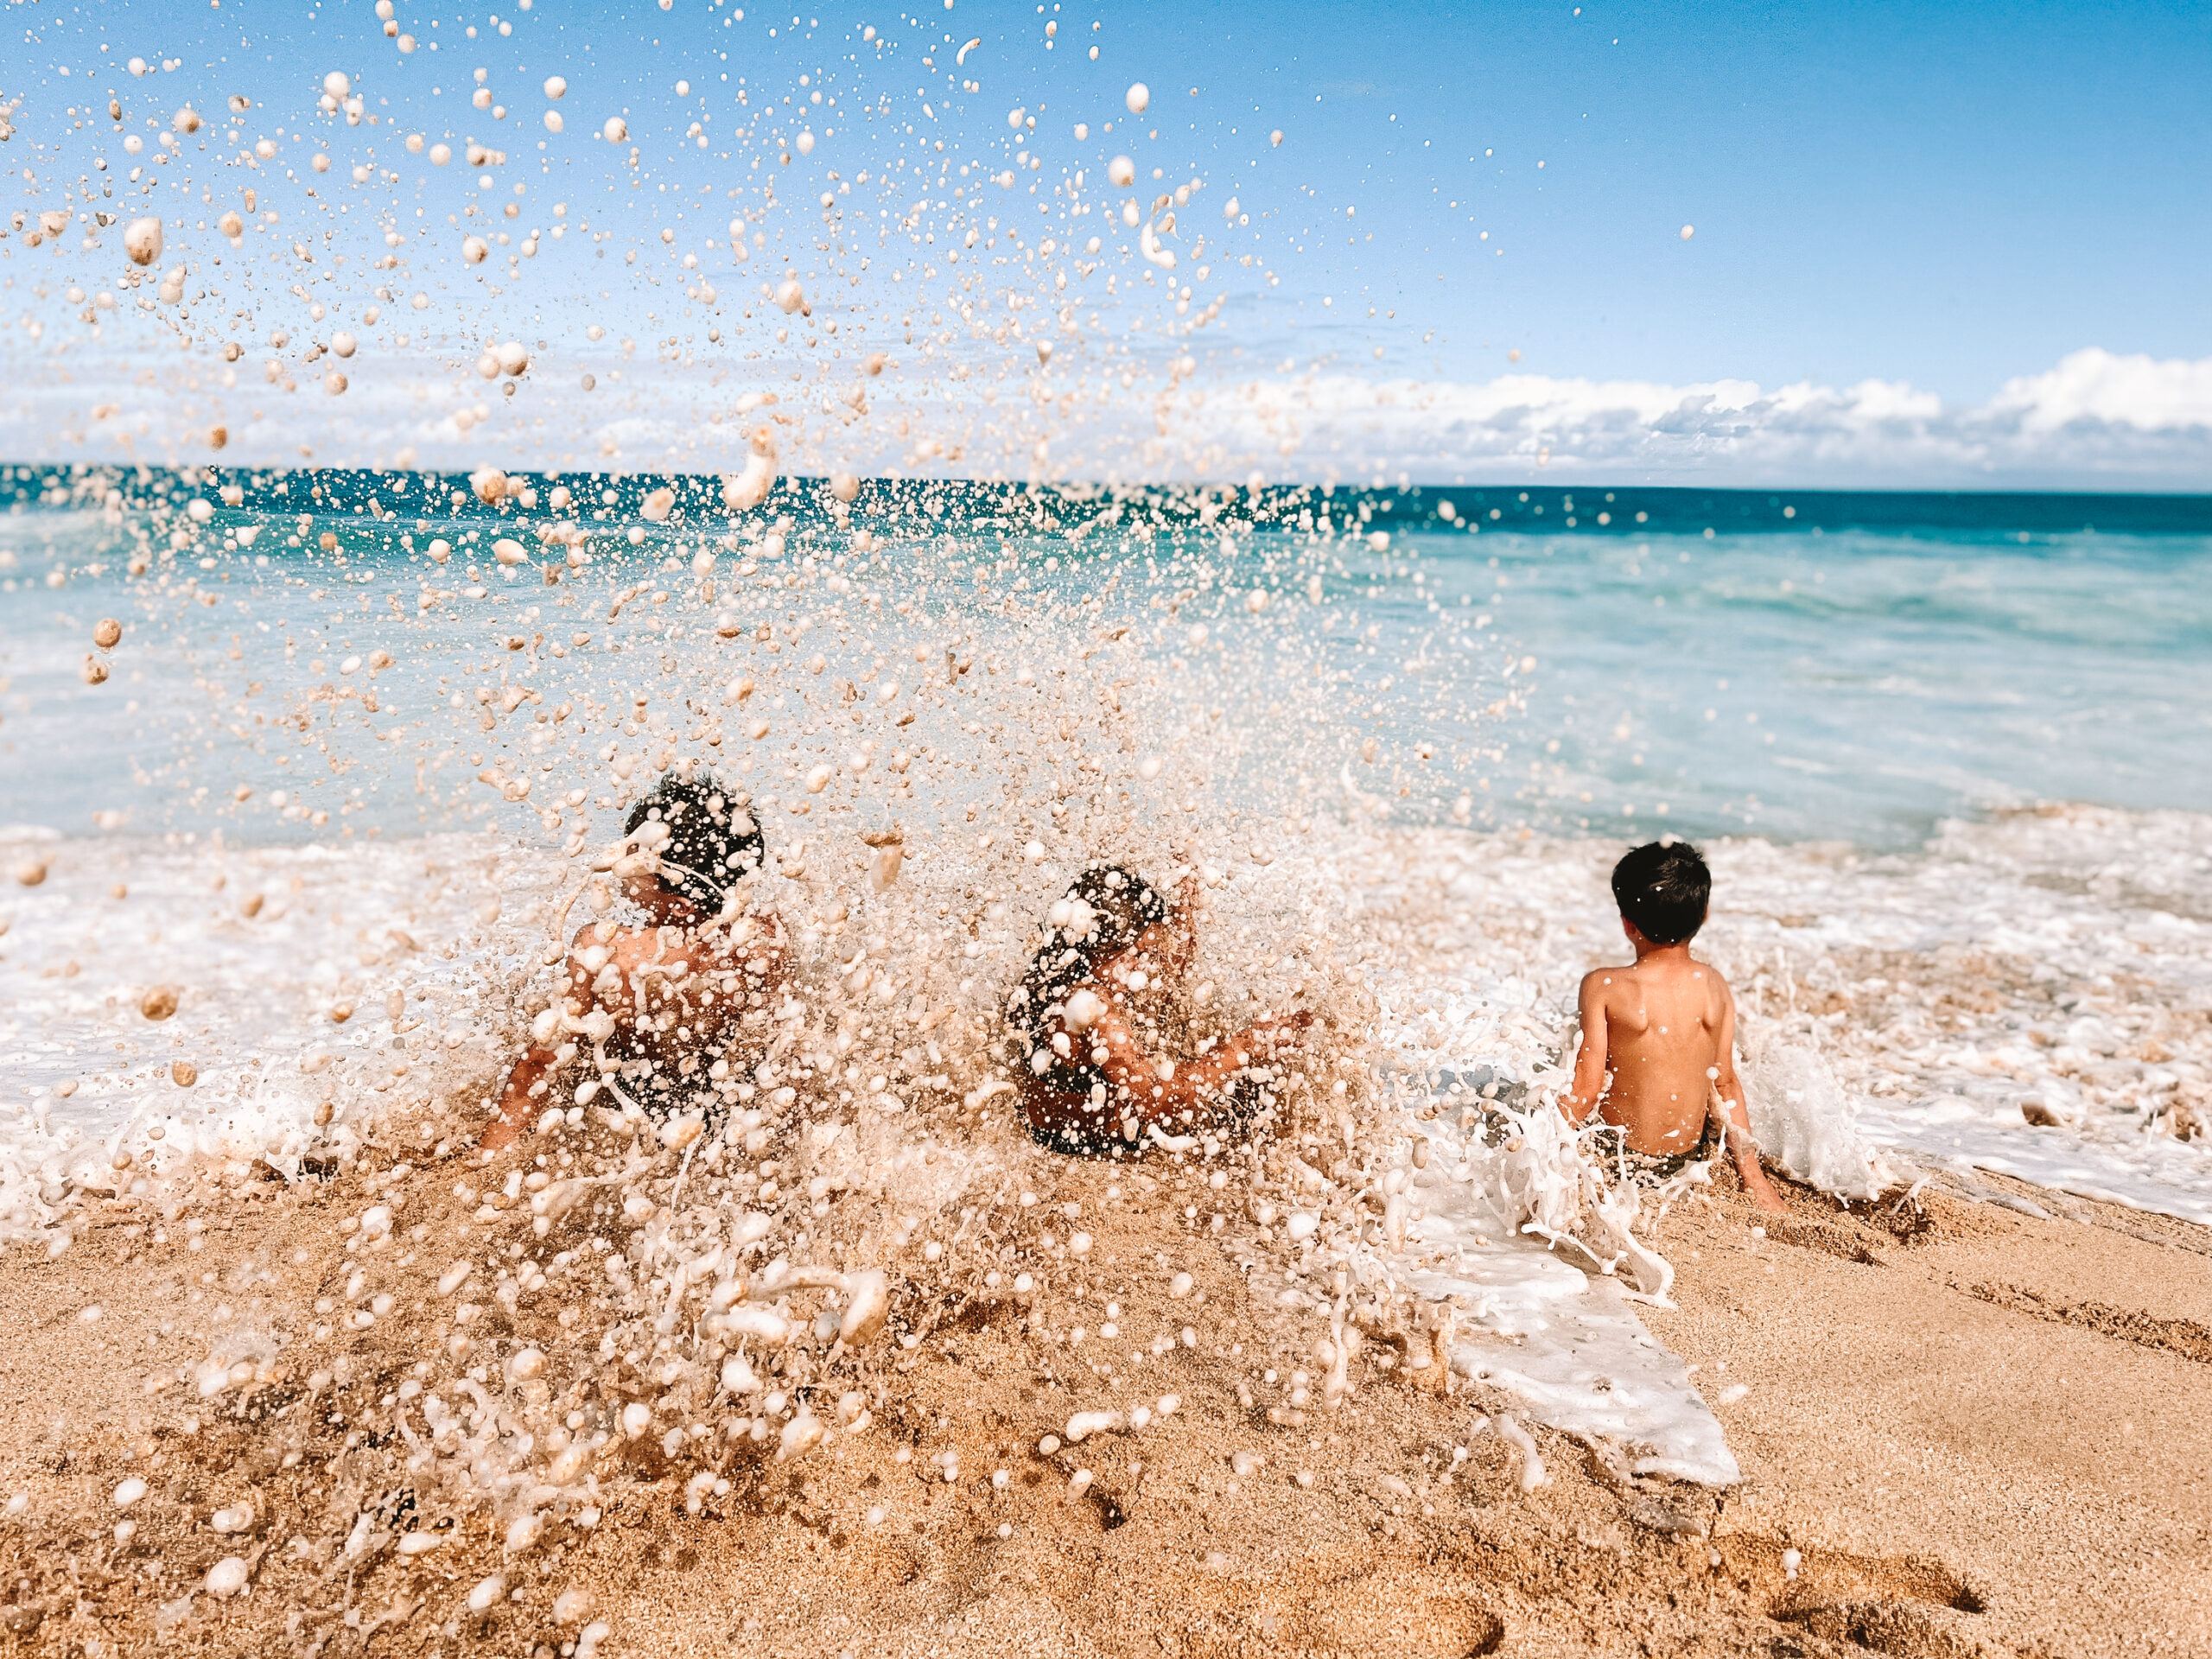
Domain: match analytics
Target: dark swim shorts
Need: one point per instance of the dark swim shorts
(1236, 1113)
(1652, 1168)
(1088, 1143)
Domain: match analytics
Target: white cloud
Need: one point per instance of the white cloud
(2096, 420)
(2140, 392)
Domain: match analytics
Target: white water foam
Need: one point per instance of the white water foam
(332, 928)
(1805, 1123)
(1566, 1340)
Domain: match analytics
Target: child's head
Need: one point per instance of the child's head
(711, 840)
(1103, 911)
(1663, 888)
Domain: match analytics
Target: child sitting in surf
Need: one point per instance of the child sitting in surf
(652, 1004)
(1097, 1009)
(1657, 1061)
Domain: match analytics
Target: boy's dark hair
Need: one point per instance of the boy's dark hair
(1663, 887)
(712, 840)
(1107, 907)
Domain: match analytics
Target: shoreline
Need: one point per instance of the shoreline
(2068, 1054)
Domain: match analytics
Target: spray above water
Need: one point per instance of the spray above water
(1001, 281)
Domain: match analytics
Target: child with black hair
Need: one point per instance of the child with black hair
(1096, 1012)
(653, 1006)
(1657, 1060)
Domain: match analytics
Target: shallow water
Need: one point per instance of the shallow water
(1837, 682)
(1860, 686)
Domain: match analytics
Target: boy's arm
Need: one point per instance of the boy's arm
(520, 1100)
(1190, 1083)
(531, 1080)
(768, 950)
(1590, 1059)
(1189, 895)
(1735, 1118)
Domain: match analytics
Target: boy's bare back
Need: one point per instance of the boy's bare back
(1664, 1028)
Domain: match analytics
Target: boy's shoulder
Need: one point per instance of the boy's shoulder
(1719, 999)
(1706, 971)
(1608, 976)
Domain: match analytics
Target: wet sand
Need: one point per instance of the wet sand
(1979, 1431)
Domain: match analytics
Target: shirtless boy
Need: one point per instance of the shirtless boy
(1658, 1053)
(651, 1007)
(1099, 1007)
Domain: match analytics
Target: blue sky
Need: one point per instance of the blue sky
(1951, 194)
(1952, 197)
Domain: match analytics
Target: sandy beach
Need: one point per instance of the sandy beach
(1963, 1428)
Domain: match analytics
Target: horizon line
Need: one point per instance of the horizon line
(1079, 488)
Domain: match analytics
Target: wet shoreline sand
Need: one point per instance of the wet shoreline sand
(1978, 1431)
